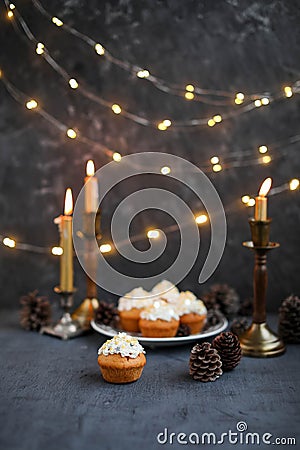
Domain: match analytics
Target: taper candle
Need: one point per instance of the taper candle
(91, 188)
(66, 243)
(261, 202)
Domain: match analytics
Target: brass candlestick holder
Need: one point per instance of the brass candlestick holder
(259, 340)
(66, 327)
(91, 228)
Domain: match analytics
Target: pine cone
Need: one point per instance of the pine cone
(213, 318)
(106, 313)
(246, 307)
(223, 296)
(229, 348)
(289, 320)
(205, 363)
(35, 311)
(183, 330)
(239, 326)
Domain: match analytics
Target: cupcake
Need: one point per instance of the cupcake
(130, 307)
(192, 311)
(121, 359)
(166, 291)
(159, 320)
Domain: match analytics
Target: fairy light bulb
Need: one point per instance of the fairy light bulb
(117, 156)
(294, 184)
(217, 168)
(265, 101)
(240, 96)
(257, 103)
(73, 83)
(189, 95)
(211, 122)
(167, 123)
(71, 133)
(161, 126)
(12, 6)
(214, 160)
(245, 199)
(143, 74)
(262, 149)
(116, 108)
(217, 118)
(190, 88)
(57, 21)
(10, 14)
(165, 170)
(31, 104)
(202, 218)
(99, 49)
(40, 48)
(266, 159)
(288, 91)
(251, 202)
(57, 251)
(105, 248)
(8, 242)
(153, 234)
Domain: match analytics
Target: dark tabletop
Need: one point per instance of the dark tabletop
(53, 397)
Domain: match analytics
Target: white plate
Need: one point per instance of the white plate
(156, 342)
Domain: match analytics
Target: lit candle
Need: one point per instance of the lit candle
(261, 201)
(66, 243)
(91, 188)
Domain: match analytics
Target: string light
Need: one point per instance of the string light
(245, 199)
(105, 248)
(211, 122)
(266, 159)
(161, 126)
(165, 170)
(40, 48)
(257, 103)
(117, 156)
(12, 6)
(294, 184)
(262, 149)
(143, 74)
(31, 104)
(202, 218)
(251, 202)
(116, 108)
(217, 118)
(8, 242)
(57, 21)
(265, 101)
(71, 133)
(215, 160)
(10, 14)
(217, 168)
(167, 122)
(288, 91)
(189, 95)
(239, 98)
(190, 88)
(153, 234)
(57, 251)
(99, 49)
(73, 83)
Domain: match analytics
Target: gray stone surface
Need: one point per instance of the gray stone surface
(53, 396)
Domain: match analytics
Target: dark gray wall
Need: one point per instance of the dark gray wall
(234, 45)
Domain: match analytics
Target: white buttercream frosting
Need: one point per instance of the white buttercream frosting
(166, 290)
(123, 345)
(137, 298)
(188, 303)
(160, 310)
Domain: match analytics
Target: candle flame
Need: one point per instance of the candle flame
(265, 187)
(90, 168)
(68, 202)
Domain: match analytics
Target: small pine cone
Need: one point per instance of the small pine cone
(239, 326)
(205, 363)
(106, 313)
(246, 307)
(225, 297)
(213, 318)
(289, 320)
(229, 348)
(183, 330)
(35, 311)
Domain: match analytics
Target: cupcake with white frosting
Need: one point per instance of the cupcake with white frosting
(121, 359)
(130, 307)
(192, 311)
(159, 320)
(166, 291)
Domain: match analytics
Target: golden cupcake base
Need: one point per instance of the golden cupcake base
(261, 342)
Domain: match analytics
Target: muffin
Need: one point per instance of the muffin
(191, 311)
(121, 359)
(159, 320)
(130, 307)
(166, 291)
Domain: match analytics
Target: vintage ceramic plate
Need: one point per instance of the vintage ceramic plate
(156, 342)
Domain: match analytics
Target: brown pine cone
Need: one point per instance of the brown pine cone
(213, 318)
(106, 313)
(205, 363)
(239, 325)
(229, 348)
(246, 307)
(223, 296)
(289, 320)
(35, 311)
(183, 330)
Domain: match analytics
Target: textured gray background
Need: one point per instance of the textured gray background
(234, 45)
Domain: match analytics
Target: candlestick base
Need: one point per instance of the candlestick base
(85, 311)
(261, 342)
